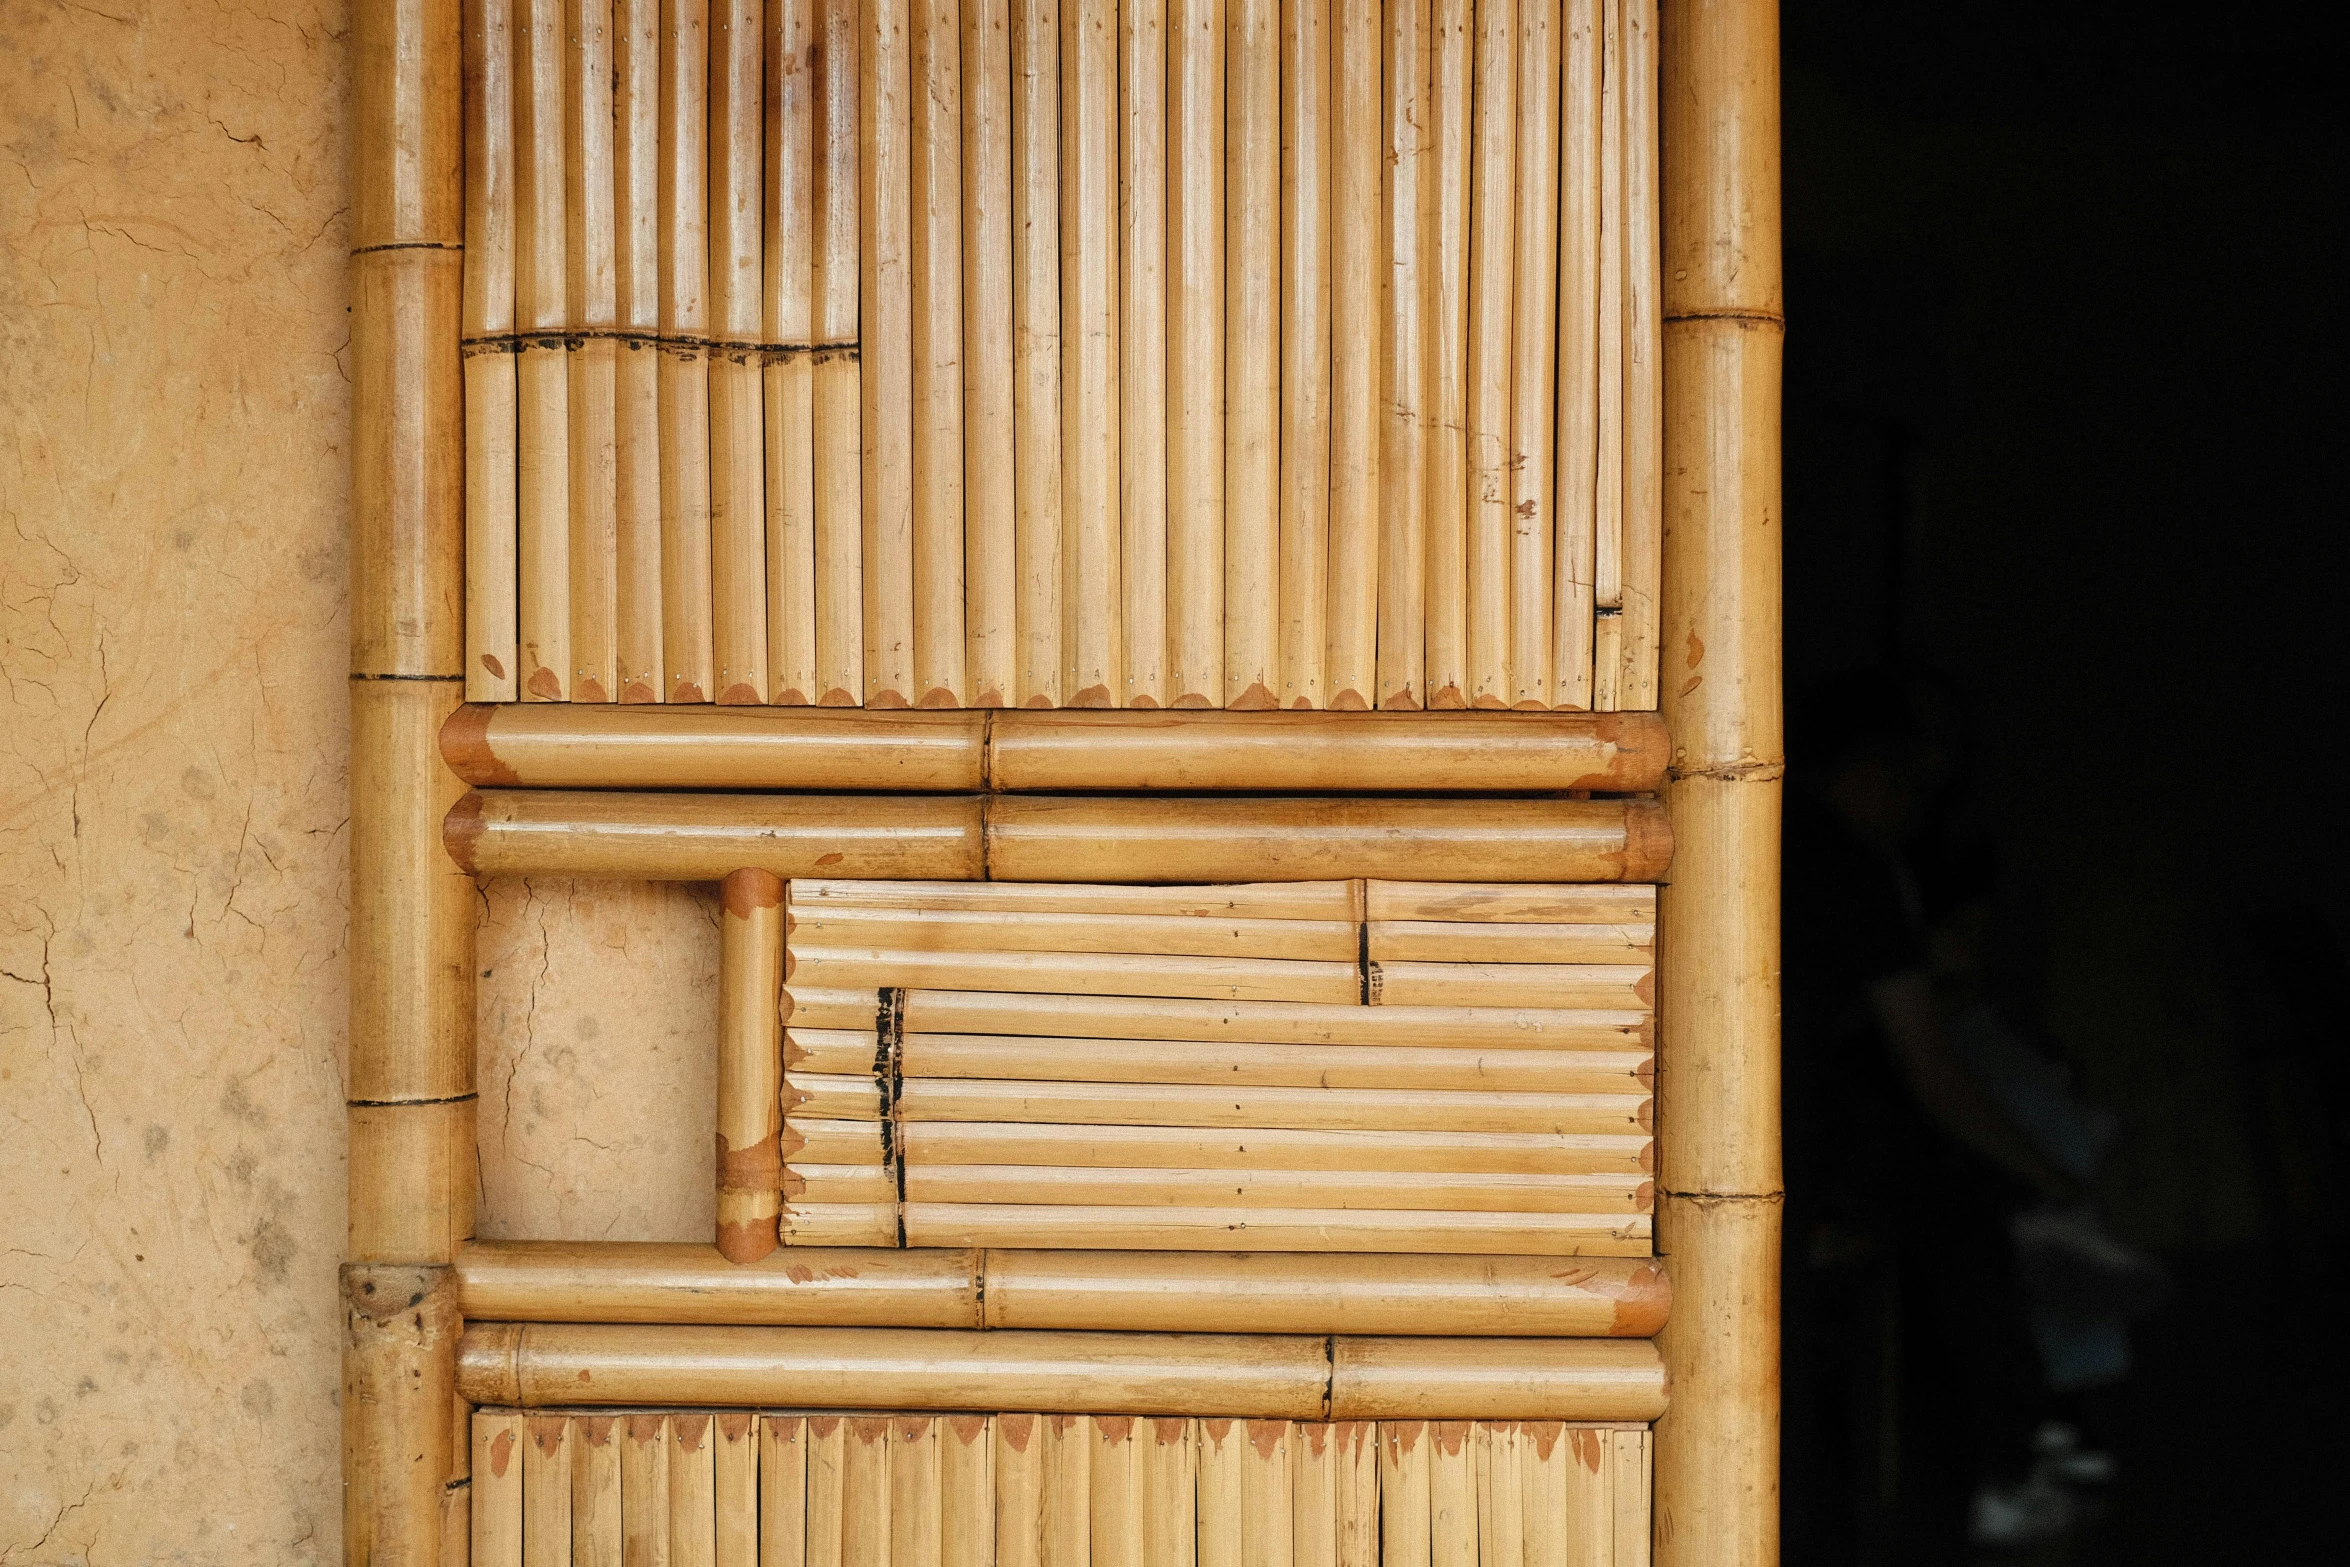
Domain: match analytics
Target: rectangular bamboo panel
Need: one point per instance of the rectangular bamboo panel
(596, 1491)
(546, 1491)
(1451, 101)
(1492, 250)
(783, 1491)
(1642, 550)
(1252, 358)
(1306, 343)
(1534, 364)
(1573, 563)
(885, 347)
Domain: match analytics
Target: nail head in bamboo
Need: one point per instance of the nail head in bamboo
(578, 746)
(1192, 838)
(750, 1064)
(400, 1345)
(407, 462)
(1495, 1379)
(407, 131)
(889, 1368)
(688, 837)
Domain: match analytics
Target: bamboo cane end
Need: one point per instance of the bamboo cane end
(748, 890)
(461, 830)
(465, 746)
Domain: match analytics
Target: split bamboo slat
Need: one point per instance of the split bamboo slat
(1059, 353)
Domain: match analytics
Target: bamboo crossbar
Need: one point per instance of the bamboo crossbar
(1294, 1377)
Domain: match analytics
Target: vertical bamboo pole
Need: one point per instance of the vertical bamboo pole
(838, 435)
(1114, 1482)
(1195, 353)
(1404, 1447)
(1222, 1443)
(543, 485)
(644, 1491)
(1452, 1494)
(489, 357)
(636, 206)
(735, 1489)
(1718, 1173)
(1534, 359)
(1636, 681)
(1451, 100)
(1607, 569)
(1170, 1493)
(1066, 1540)
(693, 1491)
(1578, 353)
(738, 466)
(783, 1491)
(886, 344)
(865, 1493)
(788, 323)
(1486, 635)
(1267, 1504)
(827, 1474)
(1142, 349)
(497, 1491)
(936, 264)
(1019, 1489)
(546, 1491)
(410, 1088)
(1351, 654)
(1036, 348)
(914, 1524)
(1405, 212)
(1252, 353)
(966, 1478)
(750, 1065)
(595, 1492)
(591, 290)
(1092, 597)
(1307, 196)
(687, 651)
(990, 563)
(1356, 1442)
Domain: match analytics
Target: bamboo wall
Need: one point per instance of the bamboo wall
(1057, 353)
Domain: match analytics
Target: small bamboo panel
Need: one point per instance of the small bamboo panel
(739, 1488)
(1298, 1067)
(1273, 354)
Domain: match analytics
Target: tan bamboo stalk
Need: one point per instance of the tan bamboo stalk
(1641, 565)
(414, 1193)
(1629, 1461)
(1195, 353)
(1114, 1490)
(1326, 900)
(542, 525)
(1304, 392)
(738, 498)
(1177, 1147)
(966, 1473)
(1345, 1191)
(1486, 636)
(636, 206)
(1599, 986)
(817, 1185)
(1449, 942)
(783, 1491)
(838, 1142)
(1169, 1489)
(915, 1524)
(1142, 351)
(1091, 593)
(865, 1493)
(1284, 1024)
(1333, 1066)
(1252, 354)
(735, 1489)
(489, 358)
(1406, 216)
(644, 1490)
(595, 1492)
(1573, 561)
(1351, 570)
(1267, 1501)
(1275, 1229)
(1019, 1441)
(1545, 1454)
(591, 368)
(827, 1466)
(1356, 1444)
(581, 747)
(1313, 1488)
(1716, 1454)
(1193, 838)
(693, 1491)
(1534, 361)
(1590, 1498)
(1405, 1447)
(1501, 1492)
(1036, 349)
(1066, 1491)
(817, 1096)
(1275, 1292)
(838, 435)
(688, 653)
(707, 837)
(1082, 973)
(497, 1489)
(1172, 1105)
(1495, 1379)
(1502, 903)
(1222, 1446)
(546, 1491)
(1451, 100)
(990, 566)
(400, 1339)
(750, 1064)
(788, 324)
(1164, 935)
(1452, 1493)
(935, 270)
(841, 1224)
(1608, 504)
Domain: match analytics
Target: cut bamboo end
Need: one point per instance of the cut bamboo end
(400, 1352)
(1495, 1379)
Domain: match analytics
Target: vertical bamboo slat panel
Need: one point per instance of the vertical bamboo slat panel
(1091, 595)
(1195, 353)
(1307, 196)
(1356, 1482)
(687, 649)
(1252, 352)
(489, 365)
(1577, 454)
(636, 461)
(1036, 348)
(591, 314)
(1313, 1496)
(1142, 349)
(1716, 1449)
(990, 563)
(1446, 290)
(935, 260)
(1501, 1493)
(1068, 1490)
(738, 465)
(1405, 212)
(1493, 256)
(789, 326)
(1534, 361)
(1351, 574)
(1643, 457)
(1169, 1483)
(1019, 1489)
(838, 430)
(542, 431)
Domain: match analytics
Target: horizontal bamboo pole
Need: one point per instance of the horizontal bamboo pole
(1462, 941)
(1297, 1109)
(1235, 1022)
(862, 1224)
(1267, 1066)
(582, 746)
(1600, 986)
(929, 930)
(400, 1341)
(1085, 973)
(895, 1368)
(656, 1281)
(1275, 900)
(1503, 903)
(1191, 838)
(1481, 1379)
(1345, 1190)
(980, 1142)
(1276, 1292)
(1275, 1229)
(688, 837)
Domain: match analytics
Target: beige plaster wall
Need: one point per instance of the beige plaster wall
(173, 445)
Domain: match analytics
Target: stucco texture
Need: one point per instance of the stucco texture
(174, 444)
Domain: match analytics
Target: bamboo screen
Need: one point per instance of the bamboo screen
(789, 1490)
(1035, 353)
(1320, 1066)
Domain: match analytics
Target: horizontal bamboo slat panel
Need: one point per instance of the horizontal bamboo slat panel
(750, 1488)
(1235, 1375)
(1168, 1228)
(1040, 357)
